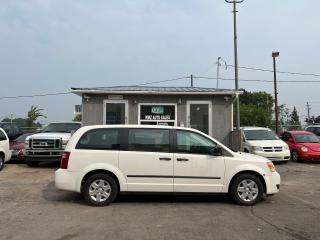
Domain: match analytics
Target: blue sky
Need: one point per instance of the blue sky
(49, 46)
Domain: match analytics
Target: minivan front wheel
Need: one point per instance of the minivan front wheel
(1, 162)
(246, 189)
(100, 190)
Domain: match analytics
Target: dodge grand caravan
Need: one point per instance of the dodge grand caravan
(102, 161)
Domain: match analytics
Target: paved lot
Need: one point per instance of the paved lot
(31, 208)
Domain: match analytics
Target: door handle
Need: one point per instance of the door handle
(164, 159)
(182, 159)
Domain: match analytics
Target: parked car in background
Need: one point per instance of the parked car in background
(17, 147)
(304, 146)
(5, 152)
(101, 161)
(49, 145)
(12, 130)
(314, 129)
(264, 142)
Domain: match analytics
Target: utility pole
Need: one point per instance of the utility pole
(276, 110)
(308, 109)
(11, 117)
(191, 79)
(218, 67)
(234, 2)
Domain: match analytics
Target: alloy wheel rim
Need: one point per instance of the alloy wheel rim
(99, 190)
(248, 190)
(295, 156)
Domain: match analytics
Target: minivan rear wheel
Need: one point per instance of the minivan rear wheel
(246, 189)
(100, 190)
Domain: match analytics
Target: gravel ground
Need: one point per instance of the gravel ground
(32, 208)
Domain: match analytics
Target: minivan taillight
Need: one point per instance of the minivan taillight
(65, 160)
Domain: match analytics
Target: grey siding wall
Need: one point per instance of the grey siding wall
(221, 111)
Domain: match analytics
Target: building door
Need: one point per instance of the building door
(199, 116)
(115, 112)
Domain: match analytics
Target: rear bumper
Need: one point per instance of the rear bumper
(66, 180)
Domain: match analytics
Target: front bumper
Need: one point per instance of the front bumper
(310, 156)
(275, 156)
(66, 180)
(43, 155)
(43, 158)
(273, 182)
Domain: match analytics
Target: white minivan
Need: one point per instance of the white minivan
(102, 161)
(264, 142)
(5, 152)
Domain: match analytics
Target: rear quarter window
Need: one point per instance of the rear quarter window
(104, 139)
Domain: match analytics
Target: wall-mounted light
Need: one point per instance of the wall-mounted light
(135, 101)
(179, 101)
(226, 98)
(86, 97)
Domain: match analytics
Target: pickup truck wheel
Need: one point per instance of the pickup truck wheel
(246, 189)
(100, 190)
(1, 162)
(32, 163)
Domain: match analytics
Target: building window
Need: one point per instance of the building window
(157, 114)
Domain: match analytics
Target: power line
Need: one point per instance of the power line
(65, 93)
(36, 95)
(260, 80)
(168, 80)
(283, 72)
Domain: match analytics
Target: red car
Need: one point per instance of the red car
(304, 146)
(17, 146)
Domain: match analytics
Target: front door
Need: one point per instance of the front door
(199, 116)
(115, 112)
(147, 160)
(195, 168)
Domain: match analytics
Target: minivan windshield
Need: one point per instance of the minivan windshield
(62, 127)
(306, 138)
(261, 134)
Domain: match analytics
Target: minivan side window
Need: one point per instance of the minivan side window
(2, 136)
(104, 139)
(149, 140)
(194, 143)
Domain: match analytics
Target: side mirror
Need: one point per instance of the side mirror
(217, 151)
(290, 140)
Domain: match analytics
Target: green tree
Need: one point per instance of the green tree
(294, 121)
(77, 118)
(256, 109)
(33, 115)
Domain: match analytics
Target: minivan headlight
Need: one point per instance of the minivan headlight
(271, 167)
(256, 148)
(286, 147)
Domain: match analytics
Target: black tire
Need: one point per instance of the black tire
(32, 163)
(256, 190)
(1, 162)
(295, 156)
(107, 182)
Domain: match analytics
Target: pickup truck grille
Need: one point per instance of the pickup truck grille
(45, 144)
(272, 149)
